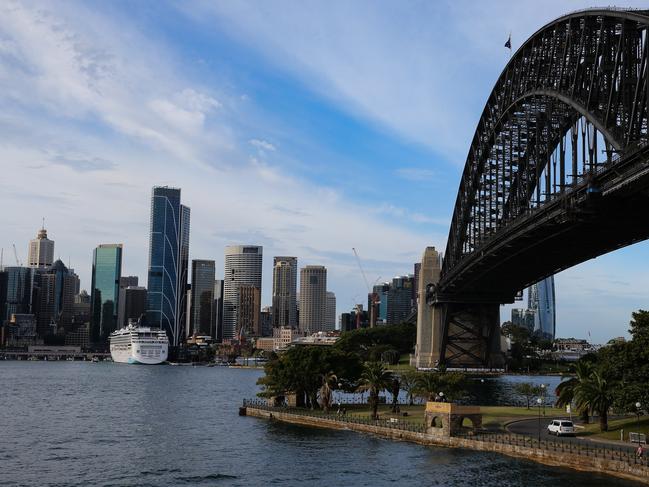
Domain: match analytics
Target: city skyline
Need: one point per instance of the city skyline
(230, 131)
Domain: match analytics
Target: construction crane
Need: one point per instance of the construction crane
(374, 297)
(18, 263)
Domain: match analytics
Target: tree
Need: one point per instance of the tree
(370, 343)
(374, 379)
(528, 391)
(300, 371)
(596, 395)
(329, 381)
(640, 326)
(409, 384)
(566, 390)
(394, 390)
(428, 385)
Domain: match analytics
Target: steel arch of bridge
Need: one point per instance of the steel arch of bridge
(585, 71)
(557, 173)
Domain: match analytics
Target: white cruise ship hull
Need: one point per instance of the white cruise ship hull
(139, 345)
(133, 357)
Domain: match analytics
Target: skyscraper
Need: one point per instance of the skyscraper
(41, 251)
(134, 303)
(66, 283)
(541, 300)
(217, 310)
(18, 294)
(400, 302)
(249, 312)
(313, 298)
(168, 262)
(284, 291)
(44, 302)
(242, 268)
(124, 282)
(330, 314)
(202, 309)
(104, 300)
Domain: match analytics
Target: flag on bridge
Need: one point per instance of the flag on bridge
(508, 44)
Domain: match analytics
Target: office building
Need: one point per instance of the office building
(380, 312)
(202, 321)
(313, 298)
(19, 331)
(285, 291)
(81, 307)
(66, 282)
(400, 302)
(249, 312)
(106, 272)
(41, 251)
(524, 318)
(135, 300)
(243, 264)
(266, 321)
(168, 263)
(17, 282)
(44, 302)
(541, 300)
(124, 282)
(330, 312)
(217, 310)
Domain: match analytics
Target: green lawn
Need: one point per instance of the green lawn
(498, 416)
(629, 424)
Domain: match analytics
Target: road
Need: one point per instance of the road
(530, 427)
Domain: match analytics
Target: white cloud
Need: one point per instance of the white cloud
(422, 70)
(262, 145)
(84, 94)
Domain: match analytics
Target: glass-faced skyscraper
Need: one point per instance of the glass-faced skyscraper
(285, 292)
(106, 271)
(541, 301)
(168, 263)
(202, 319)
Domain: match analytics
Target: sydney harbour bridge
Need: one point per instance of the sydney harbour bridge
(557, 173)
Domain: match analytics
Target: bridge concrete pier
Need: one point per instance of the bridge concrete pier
(450, 333)
(427, 317)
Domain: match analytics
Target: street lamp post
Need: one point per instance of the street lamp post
(543, 386)
(441, 396)
(637, 413)
(539, 401)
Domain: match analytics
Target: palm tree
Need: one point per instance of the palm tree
(374, 379)
(428, 385)
(595, 395)
(566, 390)
(409, 384)
(328, 380)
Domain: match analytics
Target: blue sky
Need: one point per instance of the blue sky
(306, 127)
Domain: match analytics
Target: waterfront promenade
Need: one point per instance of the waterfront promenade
(619, 461)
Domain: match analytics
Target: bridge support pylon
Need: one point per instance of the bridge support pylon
(450, 333)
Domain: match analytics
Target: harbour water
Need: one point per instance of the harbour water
(70, 424)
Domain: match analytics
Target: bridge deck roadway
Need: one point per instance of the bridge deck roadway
(578, 226)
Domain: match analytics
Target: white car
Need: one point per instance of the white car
(561, 427)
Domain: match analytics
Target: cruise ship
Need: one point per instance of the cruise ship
(139, 345)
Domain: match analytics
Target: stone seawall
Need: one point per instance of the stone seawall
(617, 468)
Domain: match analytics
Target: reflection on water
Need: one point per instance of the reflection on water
(79, 424)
